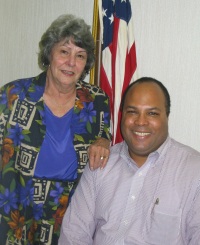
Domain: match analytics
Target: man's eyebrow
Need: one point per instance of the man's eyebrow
(154, 108)
(148, 108)
(130, 107)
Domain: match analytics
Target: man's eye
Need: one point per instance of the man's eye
(152, 113)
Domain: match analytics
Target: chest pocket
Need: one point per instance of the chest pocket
(163, 226)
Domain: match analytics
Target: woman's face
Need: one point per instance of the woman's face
(67, 63)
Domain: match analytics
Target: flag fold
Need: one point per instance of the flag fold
(118, 67)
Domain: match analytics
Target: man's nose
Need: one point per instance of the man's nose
(141, 119)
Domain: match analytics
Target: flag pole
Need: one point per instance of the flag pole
(94, 72)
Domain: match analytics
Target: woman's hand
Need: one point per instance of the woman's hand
(98, 153)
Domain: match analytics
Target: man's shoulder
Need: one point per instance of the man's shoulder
(118, 164)
(186, 157)
(183, 149)
(118, 154)
(117, 148)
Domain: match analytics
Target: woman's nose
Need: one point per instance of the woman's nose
(71, 60)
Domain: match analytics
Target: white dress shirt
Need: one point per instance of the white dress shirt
(158, 203)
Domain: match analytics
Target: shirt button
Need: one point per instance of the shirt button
(140, 174)
(125, 222)
(133, 198)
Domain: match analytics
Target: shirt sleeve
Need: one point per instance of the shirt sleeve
(193, 227)
(79, 224)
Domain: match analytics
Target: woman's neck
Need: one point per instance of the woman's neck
(59, 101)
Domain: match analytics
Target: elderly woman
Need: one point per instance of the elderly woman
(47, 124)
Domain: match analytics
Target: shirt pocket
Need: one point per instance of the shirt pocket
(163, 227)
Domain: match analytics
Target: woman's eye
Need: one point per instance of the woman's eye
(64, 51)
(80, 56)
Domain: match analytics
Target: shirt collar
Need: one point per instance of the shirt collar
(153, 156)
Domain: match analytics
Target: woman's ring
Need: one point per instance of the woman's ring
(102, 157)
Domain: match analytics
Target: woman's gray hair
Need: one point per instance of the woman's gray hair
(67, 27)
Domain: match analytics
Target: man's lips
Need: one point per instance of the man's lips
(142, 134)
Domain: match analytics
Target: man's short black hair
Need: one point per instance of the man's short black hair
(149, 80)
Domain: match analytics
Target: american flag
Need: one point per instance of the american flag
(118, 67)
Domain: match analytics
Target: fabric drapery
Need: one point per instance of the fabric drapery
(118, 67)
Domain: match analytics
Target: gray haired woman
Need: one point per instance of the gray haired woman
(49, 125)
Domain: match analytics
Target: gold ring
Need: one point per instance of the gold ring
(102, 157)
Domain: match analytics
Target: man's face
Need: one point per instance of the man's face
(144, 122)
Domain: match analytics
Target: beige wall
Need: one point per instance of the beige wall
(22, 24)
(167, 37)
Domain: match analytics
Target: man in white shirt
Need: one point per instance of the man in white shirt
(149, 192)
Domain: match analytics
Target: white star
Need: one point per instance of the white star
(104, 12)
(123, 1)
(111, 19)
